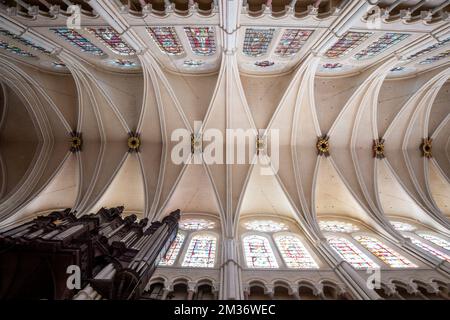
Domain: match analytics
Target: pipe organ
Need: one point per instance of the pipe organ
(112, 256)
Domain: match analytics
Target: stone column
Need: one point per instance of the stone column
(231, 288)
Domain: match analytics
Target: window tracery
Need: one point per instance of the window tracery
(77, 40)
(202, 40)
(174, 250)
(346, 43)
(385, 42)
(294, 252)
(196, 224)
(350, 253)
(337, 226)
(257, 41)
(258, 252)
(265, 226)
(436, 240)
(384, 253)
(167, 39)
(292, 41)
(109, 37)
(201, 252)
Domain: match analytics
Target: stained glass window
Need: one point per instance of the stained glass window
(201, 252)
(196, 224)
(402, 226)
(346, 43)
(124, 63)
(291, 41)
(202, 40)
(172, 253)
(59, 65)
(294, 252)
(109, 37)
(332, 65)
(258, 252)
(16, 50)
(429, 249)
(264, 63)
(77, 40)
(350, 253)
(167, 39)
(256, 41)
(192, 63)
(436, 58)
(436, 240)
(23, 41)
(384, 253)
(337, 226)
(383, 43)
(265, 226)
(428, 49)
(397, 69)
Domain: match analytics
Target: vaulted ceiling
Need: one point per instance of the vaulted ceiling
(341, 77)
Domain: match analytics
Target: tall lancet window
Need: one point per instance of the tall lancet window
(436, 240)
(202, 40)
(429, 249)
(407, 230)
(350, 253)
(77, 40)
(384, 253)
(167, 39)
(294, 252)
(201, 252)
(257, 41)
(174, 250)
(258, 252)
(382, 44)
(291, 41)
(347, 43)
(110, 38)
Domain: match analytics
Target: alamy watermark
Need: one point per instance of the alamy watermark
(374, 279)
(237, 146)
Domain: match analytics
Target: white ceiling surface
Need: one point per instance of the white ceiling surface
(353, 110)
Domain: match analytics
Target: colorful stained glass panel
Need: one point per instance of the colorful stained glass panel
(384, 253)
(16, 50)
(402, 226)
(428, 49)
(193, 63)
(294, 252)
(258, 253)
(382, 44)
(436, 240)
(196, 224)
(350, 253)
(124, 63)
(429, 249)
(332, 66)
(201, 252)
(172, 253)
(346, 43)
(167, 39)
(77, 40)
(337, 226)
(110, 38)
(257, 41)
(436, 58)
(264, 64)
(24, 41)
(397, 69)
(202, 40)
(291, 42)
(265, 226)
